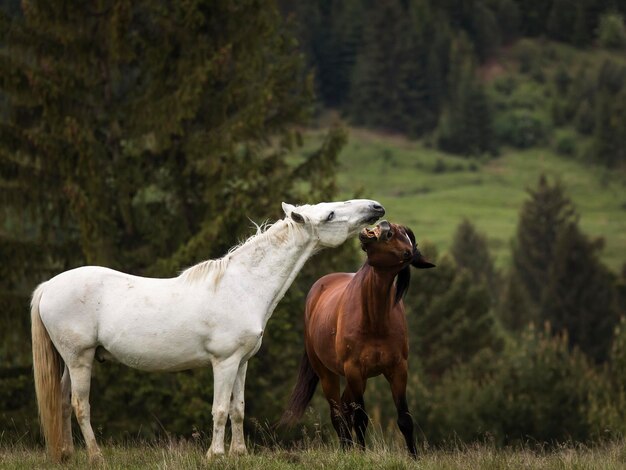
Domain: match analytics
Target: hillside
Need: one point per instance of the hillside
(546, 101)
(432, 191)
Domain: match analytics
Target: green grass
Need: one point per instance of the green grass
(186, 455)
(432, 192)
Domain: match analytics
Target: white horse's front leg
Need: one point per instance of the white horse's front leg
(237, 409)
(224, 375)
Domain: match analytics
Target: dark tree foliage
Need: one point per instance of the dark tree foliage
(449, 317)
(470, 252)
(561, 20)
(580, 296)
(387, 64)
(330, 35)
(609, 126)
(398, 76)
(542, 216)
(479, 21)
(466, 125)
(558, 267)
(534, 387)
(141, 136)
(574, 22)
(534, 14)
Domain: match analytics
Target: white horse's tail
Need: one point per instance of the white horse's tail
(47, 364)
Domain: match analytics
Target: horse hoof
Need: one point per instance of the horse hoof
(238, 451)
(211, 454)
(96, 459)
(66, 453)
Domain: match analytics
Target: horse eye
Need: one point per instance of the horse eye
(330, 216)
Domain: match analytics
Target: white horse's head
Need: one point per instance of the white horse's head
(333, 222)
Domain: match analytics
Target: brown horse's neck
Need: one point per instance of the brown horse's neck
(377, 295)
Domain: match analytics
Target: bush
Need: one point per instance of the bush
(565, 142)
(522, 128)
(611, 32)
(607, 410)
(528, 54)
(535, 389)
(584, 120)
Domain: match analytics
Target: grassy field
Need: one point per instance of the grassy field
(432, 192)
(185, 455)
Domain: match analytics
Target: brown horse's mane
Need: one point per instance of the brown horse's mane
(404, 277)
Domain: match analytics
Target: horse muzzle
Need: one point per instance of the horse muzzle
(371, 235)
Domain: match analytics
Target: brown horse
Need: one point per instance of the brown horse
(355, 327)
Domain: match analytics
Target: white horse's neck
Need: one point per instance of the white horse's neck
(272, 260)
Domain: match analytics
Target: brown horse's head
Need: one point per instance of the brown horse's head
(392, 246)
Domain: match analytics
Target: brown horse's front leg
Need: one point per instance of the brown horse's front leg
(354, 402)
(397, 379)
(330, 386)
(356, 416)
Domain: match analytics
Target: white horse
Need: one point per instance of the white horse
(212, 313)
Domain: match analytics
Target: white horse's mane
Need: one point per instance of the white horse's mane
(217, 267)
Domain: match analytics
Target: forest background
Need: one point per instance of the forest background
(143, 136)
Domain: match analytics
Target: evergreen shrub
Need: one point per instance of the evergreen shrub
(522, 128)
(565, 142)
(536, 388)
(611, 31)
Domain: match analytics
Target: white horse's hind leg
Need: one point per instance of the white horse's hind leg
(80, 374)
(224, 375)
(237, 408)
(68, 445)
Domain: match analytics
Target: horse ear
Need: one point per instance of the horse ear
(420, 262)
(287, 209)
(289, 212)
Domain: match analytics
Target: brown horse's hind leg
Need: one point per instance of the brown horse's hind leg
(397, 379)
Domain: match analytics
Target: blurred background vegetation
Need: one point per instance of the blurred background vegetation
(143, 135)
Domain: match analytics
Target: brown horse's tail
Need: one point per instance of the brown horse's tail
(302, 393)
(47, 364)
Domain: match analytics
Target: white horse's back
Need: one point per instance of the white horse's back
(145, 323)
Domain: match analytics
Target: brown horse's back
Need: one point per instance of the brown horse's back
(322, 309)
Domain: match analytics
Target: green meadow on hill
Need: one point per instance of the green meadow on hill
(432, 191)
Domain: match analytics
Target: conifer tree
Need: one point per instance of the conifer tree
(580, 297)
(609, 126)
(515, 309)
(470, 251)
(375, 94)
(561, 20)
(542, 216)
(565, 283)
(449, 317)
(330, 35)
(534, 14)
(400, 67)
(142, 136)
(466, 124)
(581, 35)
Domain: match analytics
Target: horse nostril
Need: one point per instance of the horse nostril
(378, 207)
